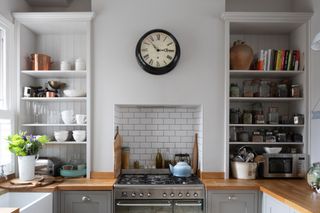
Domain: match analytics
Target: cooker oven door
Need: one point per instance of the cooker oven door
(188, 206)
(143, 206)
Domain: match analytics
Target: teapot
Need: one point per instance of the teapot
(181, 169)
(313, 177)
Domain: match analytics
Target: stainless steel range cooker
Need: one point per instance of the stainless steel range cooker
(158, 193)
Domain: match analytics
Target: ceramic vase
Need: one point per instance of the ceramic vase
(26, 167)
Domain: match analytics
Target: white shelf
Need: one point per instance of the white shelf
(65, 142)
(55, 73)
(56, 99)
(264, 74)
(264, 99)
(265, 143)
(52, 125)
(266, 125)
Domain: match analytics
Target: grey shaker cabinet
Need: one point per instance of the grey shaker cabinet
(86, 201)
(229, 201)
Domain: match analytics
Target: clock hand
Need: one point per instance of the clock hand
(155, 47)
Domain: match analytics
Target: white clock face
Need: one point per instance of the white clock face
(158, 49)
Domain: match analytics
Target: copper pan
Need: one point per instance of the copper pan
(40, 61)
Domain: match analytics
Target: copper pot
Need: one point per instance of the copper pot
(40, 61)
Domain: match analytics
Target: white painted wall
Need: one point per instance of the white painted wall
(260, 5)
(75, 6)
(198, 79)
(315, 86)
(8, 6)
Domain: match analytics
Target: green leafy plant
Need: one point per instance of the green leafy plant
(23, 144)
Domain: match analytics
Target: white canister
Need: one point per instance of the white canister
(80, 64)
(26, 167)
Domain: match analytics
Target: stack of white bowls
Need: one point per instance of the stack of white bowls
(61, 136)
(80, 64)
(65, 65)
(79, 135)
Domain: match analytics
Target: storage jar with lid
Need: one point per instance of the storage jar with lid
(295, 90)
(234, 116)
(273, 115)
(234, 90)
(243, 136)
(247, 117)
(282, 90)
(247, 88)
(264, 89)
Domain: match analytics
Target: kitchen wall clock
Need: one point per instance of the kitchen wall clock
(158, 52)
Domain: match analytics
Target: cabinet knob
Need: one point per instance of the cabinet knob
(86, 199)
(232, 197)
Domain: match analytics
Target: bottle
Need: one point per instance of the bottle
(158, 160)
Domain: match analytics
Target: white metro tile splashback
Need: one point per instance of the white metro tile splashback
(171, 129)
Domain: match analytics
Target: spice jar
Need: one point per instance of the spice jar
(273, 89)
(234, 90)
(270, 137)
(125, 157)
(295, 90)
(234, 116)
(247, 117)
(281, 137)
(273, 115)
(264, 89)
(233, 134)
(298, 119)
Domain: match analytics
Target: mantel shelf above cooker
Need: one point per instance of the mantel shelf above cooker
(47, 125)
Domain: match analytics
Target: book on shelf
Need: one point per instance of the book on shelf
(272, 59)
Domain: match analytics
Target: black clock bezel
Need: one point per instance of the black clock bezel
(154, 70)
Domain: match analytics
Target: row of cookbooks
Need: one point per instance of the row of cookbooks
(271, 59)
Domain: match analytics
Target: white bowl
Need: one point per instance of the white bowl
(74, 93)
(79, 132)
(272, 150)
(61, 136)
(79, 137)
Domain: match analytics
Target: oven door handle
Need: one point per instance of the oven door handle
(188, 204)
(168, 204)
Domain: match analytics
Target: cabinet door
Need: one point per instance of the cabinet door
(232, 201)
(86, 201)
(271, 205)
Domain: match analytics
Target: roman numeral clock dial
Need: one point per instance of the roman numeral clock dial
(158, 52)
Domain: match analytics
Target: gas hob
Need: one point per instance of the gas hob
(158, 186)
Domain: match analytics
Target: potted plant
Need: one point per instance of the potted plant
(26, 147)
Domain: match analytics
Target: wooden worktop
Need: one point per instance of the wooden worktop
(74, 184)
(294, 193)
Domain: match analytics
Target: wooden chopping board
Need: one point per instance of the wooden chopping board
(37, 181)
(194, 160)
(117, 153)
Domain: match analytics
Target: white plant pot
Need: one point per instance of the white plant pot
(26, 167)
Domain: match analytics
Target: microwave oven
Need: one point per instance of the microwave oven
(285, 165)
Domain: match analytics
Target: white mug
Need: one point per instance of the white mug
(81, 119)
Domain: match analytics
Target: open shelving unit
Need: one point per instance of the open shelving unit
(267, 30)
(64, 37)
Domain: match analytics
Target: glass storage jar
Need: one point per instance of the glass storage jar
(234, 90)
(282, 90)
(264, 89)
(273, 115)
(247, 88)
(247, 117)
(234, 116)
(295, 90)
